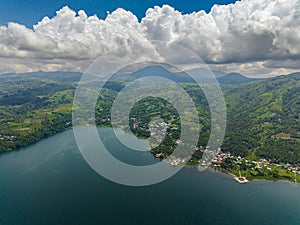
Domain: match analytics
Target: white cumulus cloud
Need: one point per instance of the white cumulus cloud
(236, 37)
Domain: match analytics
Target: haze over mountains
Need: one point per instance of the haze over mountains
(205, 74)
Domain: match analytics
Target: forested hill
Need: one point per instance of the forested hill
(264, 118)
(263, 115)
(235, 78)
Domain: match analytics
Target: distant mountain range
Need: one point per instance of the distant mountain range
(235, 78)
(222, 77)
(205, 75)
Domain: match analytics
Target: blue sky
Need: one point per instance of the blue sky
(29, 12)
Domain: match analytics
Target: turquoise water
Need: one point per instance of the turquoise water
(50, 183)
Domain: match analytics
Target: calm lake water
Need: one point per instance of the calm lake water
(50, 183)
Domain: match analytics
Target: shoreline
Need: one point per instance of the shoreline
(194, 165)
(251, 179)
(231, 177)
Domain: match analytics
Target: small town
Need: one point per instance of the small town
(244, 169)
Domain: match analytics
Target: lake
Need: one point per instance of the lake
(50, 183)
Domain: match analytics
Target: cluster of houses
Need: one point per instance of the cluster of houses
(158, 132)
(178, 161)
(260, 165)
(9, 137)
(254, 165)
(293, 168)
(220, 157)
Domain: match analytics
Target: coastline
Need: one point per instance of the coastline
(252, 178)
(231, 177)
(229, 171)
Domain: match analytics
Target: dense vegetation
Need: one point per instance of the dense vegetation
(263, 118)
(263, 115)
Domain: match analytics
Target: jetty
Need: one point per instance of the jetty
(241, 179)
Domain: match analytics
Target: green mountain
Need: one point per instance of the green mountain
(165, 72)
(263, 115)
(204, 74)
(263, 118)
(235, 78)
